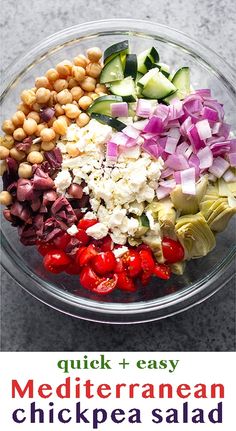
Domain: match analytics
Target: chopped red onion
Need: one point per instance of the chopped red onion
(162, 112)
(119, 109)
(171, 145)
(232, 146)
(162, 192)
(177, 177)
(229, 176)
(168, 183)
(216, 106)
(220, 148)
(194, 138)
(166, 173)
(203, 92)
(232, 159)
(46, 114)
(188, 181)
(176, 162)
(131, 132)
(140, 124)
(151, 147)
(176, 110)
(224, 130)
(120, 139)
(219, 167)
(112, 151)
(205, 157)
(210, 114)
(144, 108)
(155, 125)
(204, 130)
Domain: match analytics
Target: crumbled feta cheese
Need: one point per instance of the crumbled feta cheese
(136, 208)
(116, 217)
(118, 252)
(63, 180)
(73, 230)
(117, 237)
(86, 190)
(97, 231)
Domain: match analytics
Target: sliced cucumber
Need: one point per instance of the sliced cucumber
(124, 88)
(155, 85)
(151, 54)
(105, 119)
(113, 50)
(181, 81)
(112, 71)
(143, 225)
(144, 220)
(131, 65)
(102, 105)
(168, 99)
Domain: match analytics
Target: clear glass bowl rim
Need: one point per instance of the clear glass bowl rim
(116, 312)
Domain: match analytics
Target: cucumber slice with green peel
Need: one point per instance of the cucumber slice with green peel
(112, 71)
(153, 56)
(131, 66)
(168, 99)
(102, 105)
(181, 81)
(113, 50)
(164, 66)
(144, 221)
(138, 88)
(155, 85)
(105, 119)
(124, 88)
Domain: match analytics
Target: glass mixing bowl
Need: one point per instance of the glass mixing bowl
(160, 299)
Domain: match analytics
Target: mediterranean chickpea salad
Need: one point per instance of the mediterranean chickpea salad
(117, 170)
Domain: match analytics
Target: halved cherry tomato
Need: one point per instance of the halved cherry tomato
(44, 247)
(89, 279)
(82, 236)
(172, 250)
(86, 223)
(106, 286)
(56, 261)
(78, 253)
(86, 255)
(132, 262)
(62, 240)
(145, 278)
(147, 261)
(162, 271)
(104, 262)
(73, 269)
(119, 265)
(125, 283)
(104, 244)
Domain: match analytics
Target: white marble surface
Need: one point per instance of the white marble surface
(29, 325)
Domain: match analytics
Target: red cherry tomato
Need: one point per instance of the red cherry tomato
(162, 271)
(62, 240)
(106, 286)
(82, 236)
(89, 279)
(86, 255)
(73, 269)
(132, 262)
(44, 247)
(145, 278)
(104, 262)
(125, 283)
(172, 250)
(56, 261)
(119, 265)
(147, 261)
(86, 223)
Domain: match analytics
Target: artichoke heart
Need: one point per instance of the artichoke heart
(226, 189)
(188, 204)
(195, 235)
(164, 212)
(178, 268)
(216, 206)
(153, 239)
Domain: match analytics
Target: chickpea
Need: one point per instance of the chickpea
(52, 75)
(64, 68)
(71, 110)
(93, 96)
(50, 123)
(35, 157)
(67, 119)
(35, 116)
(77, 93)
(19, 134)
(94, 54)
(40, 127)
(24, 108)
(81, 60)
(64, 97)
(3, 167)
(60, 84)
(7, 141)
(47, 146)
(17, 154)
(33, 147)
(4, 152)
(42, 81)
(84, 102)
(47, 135)
(42, 95)
(78, 73)
(58, 110)
(60, 126)
(82, 120)
(25, 170)
(93, 69)
(88, 84)
(53, 98)
(5, 198)
(100, 88)
(72, 83)
(72, 150)
(28, 97)
(18, 118)
(30, 126)
(8, 127)
(36, 107)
